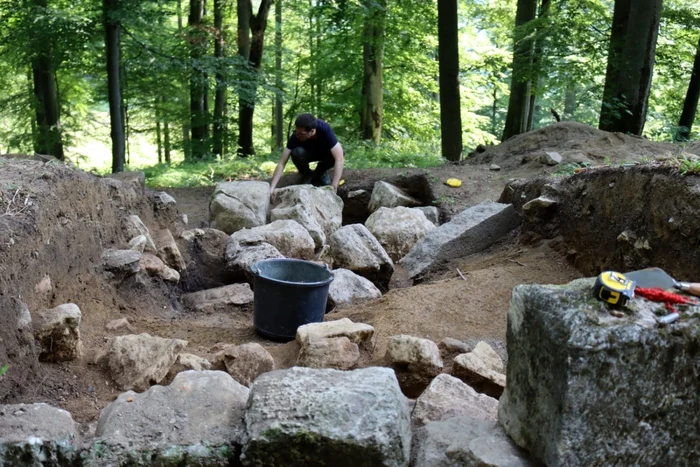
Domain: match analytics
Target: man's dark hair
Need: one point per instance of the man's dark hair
(306, 121)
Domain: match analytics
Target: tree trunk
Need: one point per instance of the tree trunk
(220, 98)
(198, 115)
(450, 113)
(257, 25)
(518, 103)
(186, 122)
(166, 141)
(159, 139)
(626, 110)
(570, 101)
(618, 32)
(537, 66)
(113, 54)
(278, 112)
(690, 106)
(48, 126)
(373, 59)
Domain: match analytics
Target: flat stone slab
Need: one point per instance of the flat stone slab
(312, 417)
(471, 231)
(219, 298)
(588, 388)
(465, 442)
(36, 434)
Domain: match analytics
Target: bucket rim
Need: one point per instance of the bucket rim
(256, 272)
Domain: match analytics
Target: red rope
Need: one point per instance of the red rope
(668, 298)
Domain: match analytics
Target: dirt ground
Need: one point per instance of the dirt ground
(468, 301)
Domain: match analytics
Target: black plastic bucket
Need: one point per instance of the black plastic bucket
(288, 293)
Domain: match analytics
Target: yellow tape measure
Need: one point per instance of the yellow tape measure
(614, 288)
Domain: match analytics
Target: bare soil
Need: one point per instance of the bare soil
(467, 301)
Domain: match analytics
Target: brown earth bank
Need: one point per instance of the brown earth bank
(56, 222)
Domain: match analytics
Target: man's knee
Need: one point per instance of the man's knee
(300, 156)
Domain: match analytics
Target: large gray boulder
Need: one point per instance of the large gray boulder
(241, 256)
(155, 267)
(416, 362)
(354, 247)
(138, 361)
(398, 229)
(196, 420)
(589, 388)
(288, 236)
(121, 263)
(57, 331)
(239, 205)
(471, 231)
(447, 397)
(465, 442)
(168, 250)
(318, 210)
(308, 417)
(348, 288)
(36, 435)
(387, 195)
(245, 362)
(474, 371)
(134, 227)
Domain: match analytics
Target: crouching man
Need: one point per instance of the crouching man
(312, 140)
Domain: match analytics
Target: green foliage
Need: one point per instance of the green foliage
(4, 368)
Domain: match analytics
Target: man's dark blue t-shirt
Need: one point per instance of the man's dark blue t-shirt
(320, 146)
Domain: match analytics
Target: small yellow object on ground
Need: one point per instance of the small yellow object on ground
(454, 182)
(341, 182)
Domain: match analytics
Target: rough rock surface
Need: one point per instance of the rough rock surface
(186, 362)
(359, 333)
(470, 231)
(154, 266)
(168, 250)
(398, 229)
(465, 442)
(432, 213)
(348, 288)
(335, 352)
(416, 362)
(196, 420)
(318, 210)
(241, 256)
(588, 388)
(387, 195)
(489, 356)
(225, 298)
(450, 348)
(138, 361)
(57, 331)
(477, 373)
(134, 227)
(121, 263)
(245, 362)
(206, 265)
(354, 247)
(308, 417)
(239, 205)
(447, 397)
(288, 236)
(138, 243)
(36, 435)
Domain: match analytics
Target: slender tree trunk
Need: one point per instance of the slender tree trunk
(494, 109)
(373, 59)
(186, 145)
(113, 53)
(312, 59)
(537, 65)
(278, 112)
(166, 141)
(258, 24)
(159, 139)
(198, 114)
(518, 104)
(448, 55)
(570, 101)
(626, 111)
(690, 105)
(49, 140)
(220, 98)
(30, 84)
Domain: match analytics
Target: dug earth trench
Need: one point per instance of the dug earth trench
(627, 207)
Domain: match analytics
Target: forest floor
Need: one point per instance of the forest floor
(469, 308)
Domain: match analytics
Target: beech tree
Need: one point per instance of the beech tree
(450, 109)
(373, 69)
(690, 105)
(519, 102)
(630, 65)
(113, 55)
(198, 82)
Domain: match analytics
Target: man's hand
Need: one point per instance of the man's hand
(337, 152)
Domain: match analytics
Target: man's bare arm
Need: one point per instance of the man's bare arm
(337, 153)
(279, 169)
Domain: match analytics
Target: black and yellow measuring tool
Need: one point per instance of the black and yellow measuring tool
(614, 288)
